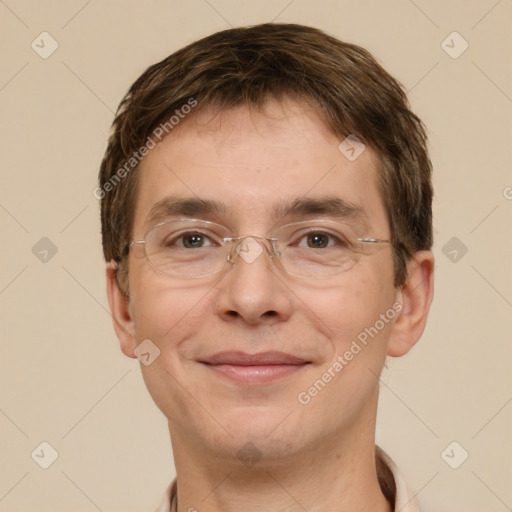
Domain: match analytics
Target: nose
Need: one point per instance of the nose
(253, 291)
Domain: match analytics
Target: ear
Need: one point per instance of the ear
(415, 296)
(120, 309)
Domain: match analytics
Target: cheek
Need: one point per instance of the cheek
(162, 308)
(352, 308)
(169, 314)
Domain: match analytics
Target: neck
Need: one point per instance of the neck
(338, 474)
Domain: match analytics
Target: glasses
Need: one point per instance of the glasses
(192, 248)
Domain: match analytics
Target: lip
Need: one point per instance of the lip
(259, 368)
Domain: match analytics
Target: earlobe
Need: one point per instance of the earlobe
(415, 297)
(121, 317)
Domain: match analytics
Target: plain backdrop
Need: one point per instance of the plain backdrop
(63, 378)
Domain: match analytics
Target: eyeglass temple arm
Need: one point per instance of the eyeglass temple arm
(374, 241)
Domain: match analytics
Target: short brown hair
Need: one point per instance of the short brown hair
(353, 94)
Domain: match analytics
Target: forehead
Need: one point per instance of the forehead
(251, 161)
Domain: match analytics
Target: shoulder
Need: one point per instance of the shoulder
(393, 485)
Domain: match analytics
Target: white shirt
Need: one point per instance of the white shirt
(405, 500)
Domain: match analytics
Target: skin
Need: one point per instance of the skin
(318, 456)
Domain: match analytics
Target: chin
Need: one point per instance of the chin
(255, 450)
(275, 431)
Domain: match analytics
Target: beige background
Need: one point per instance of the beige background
(63, 378)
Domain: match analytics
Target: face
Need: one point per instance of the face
(250, 163)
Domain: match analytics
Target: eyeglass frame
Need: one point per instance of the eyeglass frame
(273, 253)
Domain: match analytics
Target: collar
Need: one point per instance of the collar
(390, 480)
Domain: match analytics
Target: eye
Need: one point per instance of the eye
(321, 240)
(189, 240)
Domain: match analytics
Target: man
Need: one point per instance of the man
(266, 218)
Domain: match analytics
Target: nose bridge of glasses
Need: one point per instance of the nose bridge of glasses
(250, 247)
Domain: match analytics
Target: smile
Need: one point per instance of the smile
(259, 368)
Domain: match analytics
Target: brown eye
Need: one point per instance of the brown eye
(321, 240)
(193, 240)
(187, 240)
(317, 240)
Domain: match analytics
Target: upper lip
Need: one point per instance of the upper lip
(259, 359)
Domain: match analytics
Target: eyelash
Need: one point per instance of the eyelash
(338, 240)
(175, 238)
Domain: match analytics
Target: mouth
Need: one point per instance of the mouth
(260, 368)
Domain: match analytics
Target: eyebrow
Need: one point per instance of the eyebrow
(185, 206)
(302, 207)
(324, 206)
